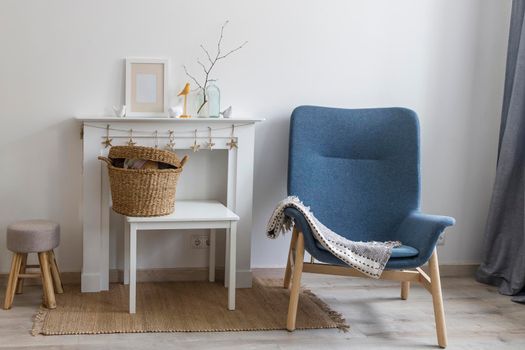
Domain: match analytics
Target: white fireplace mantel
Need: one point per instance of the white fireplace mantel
(96, 196)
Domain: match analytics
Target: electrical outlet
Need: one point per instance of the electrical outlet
(441, 239)
(200, 242)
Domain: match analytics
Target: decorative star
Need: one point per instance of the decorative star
(107, 142)
(209, 145)
(131, 143)
(170, 146)
(233, 143)
(195, 147)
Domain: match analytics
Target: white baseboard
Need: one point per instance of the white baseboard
(457, 270)
(90, 281)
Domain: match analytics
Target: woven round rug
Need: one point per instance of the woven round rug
(182, 307)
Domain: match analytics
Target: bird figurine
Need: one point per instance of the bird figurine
(120, 111)
(185, 93)
(227, 112)
(176, 111)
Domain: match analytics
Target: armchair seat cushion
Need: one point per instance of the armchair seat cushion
(403, 251)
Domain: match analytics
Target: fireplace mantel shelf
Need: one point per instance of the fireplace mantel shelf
(96, 195)
(110, 119)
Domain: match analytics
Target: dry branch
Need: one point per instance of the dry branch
(213, 61)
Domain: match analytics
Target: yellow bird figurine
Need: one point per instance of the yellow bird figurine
(186, 90)
(185, 93)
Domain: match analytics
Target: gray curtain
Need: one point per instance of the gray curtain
(504, 250)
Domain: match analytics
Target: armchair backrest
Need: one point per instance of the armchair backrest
(358, 169)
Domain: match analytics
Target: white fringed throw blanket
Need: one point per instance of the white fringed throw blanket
(368, 257)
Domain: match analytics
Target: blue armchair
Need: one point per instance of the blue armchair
(358, 170)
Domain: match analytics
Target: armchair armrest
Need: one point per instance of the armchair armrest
(422, 231)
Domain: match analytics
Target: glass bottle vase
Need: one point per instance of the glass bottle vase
(214, 100)
(200, 110)
(212, 107)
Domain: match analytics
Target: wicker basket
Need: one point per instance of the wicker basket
(143, 192)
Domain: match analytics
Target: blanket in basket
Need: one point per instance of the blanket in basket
(368, 257)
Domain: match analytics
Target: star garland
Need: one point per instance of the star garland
(233, 141)
(151, 132)
(195, 147)
(156, 139)
(131, 143)
(170, 145)
(210, 143)
(107, 141)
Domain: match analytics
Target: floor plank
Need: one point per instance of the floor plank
(477, 318)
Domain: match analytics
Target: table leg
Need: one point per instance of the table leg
(233, 265)
(132, 268)
(126, 251)
(212, 256)
(227, 260)
(104, 231)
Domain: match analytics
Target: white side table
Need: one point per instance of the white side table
(188, 215)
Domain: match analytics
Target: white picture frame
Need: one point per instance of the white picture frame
(147, 87)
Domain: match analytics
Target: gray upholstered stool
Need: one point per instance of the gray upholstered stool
(33, 236)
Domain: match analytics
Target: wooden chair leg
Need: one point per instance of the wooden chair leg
(437, 299)
(296, 282)
(12, 280)
(20, 284)
(405, 288)
(288, 272)
(55, 273)
(47, 282)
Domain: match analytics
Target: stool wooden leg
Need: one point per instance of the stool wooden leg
(47, 282)
(20, 285)
(11, 282)
(55, 272)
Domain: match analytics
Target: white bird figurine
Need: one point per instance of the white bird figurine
(227, 112)
(120, 111)
(176, 111)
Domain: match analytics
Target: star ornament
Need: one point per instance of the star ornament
(131, 143)
(195, 147)
(209, 145)
(107, 142)
(233, 144)
(170, 146)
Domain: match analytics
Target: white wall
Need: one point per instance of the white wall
(445, 59)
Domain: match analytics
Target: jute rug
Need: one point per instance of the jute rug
(182, 307)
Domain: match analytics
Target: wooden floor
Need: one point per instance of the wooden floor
(477, 318)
